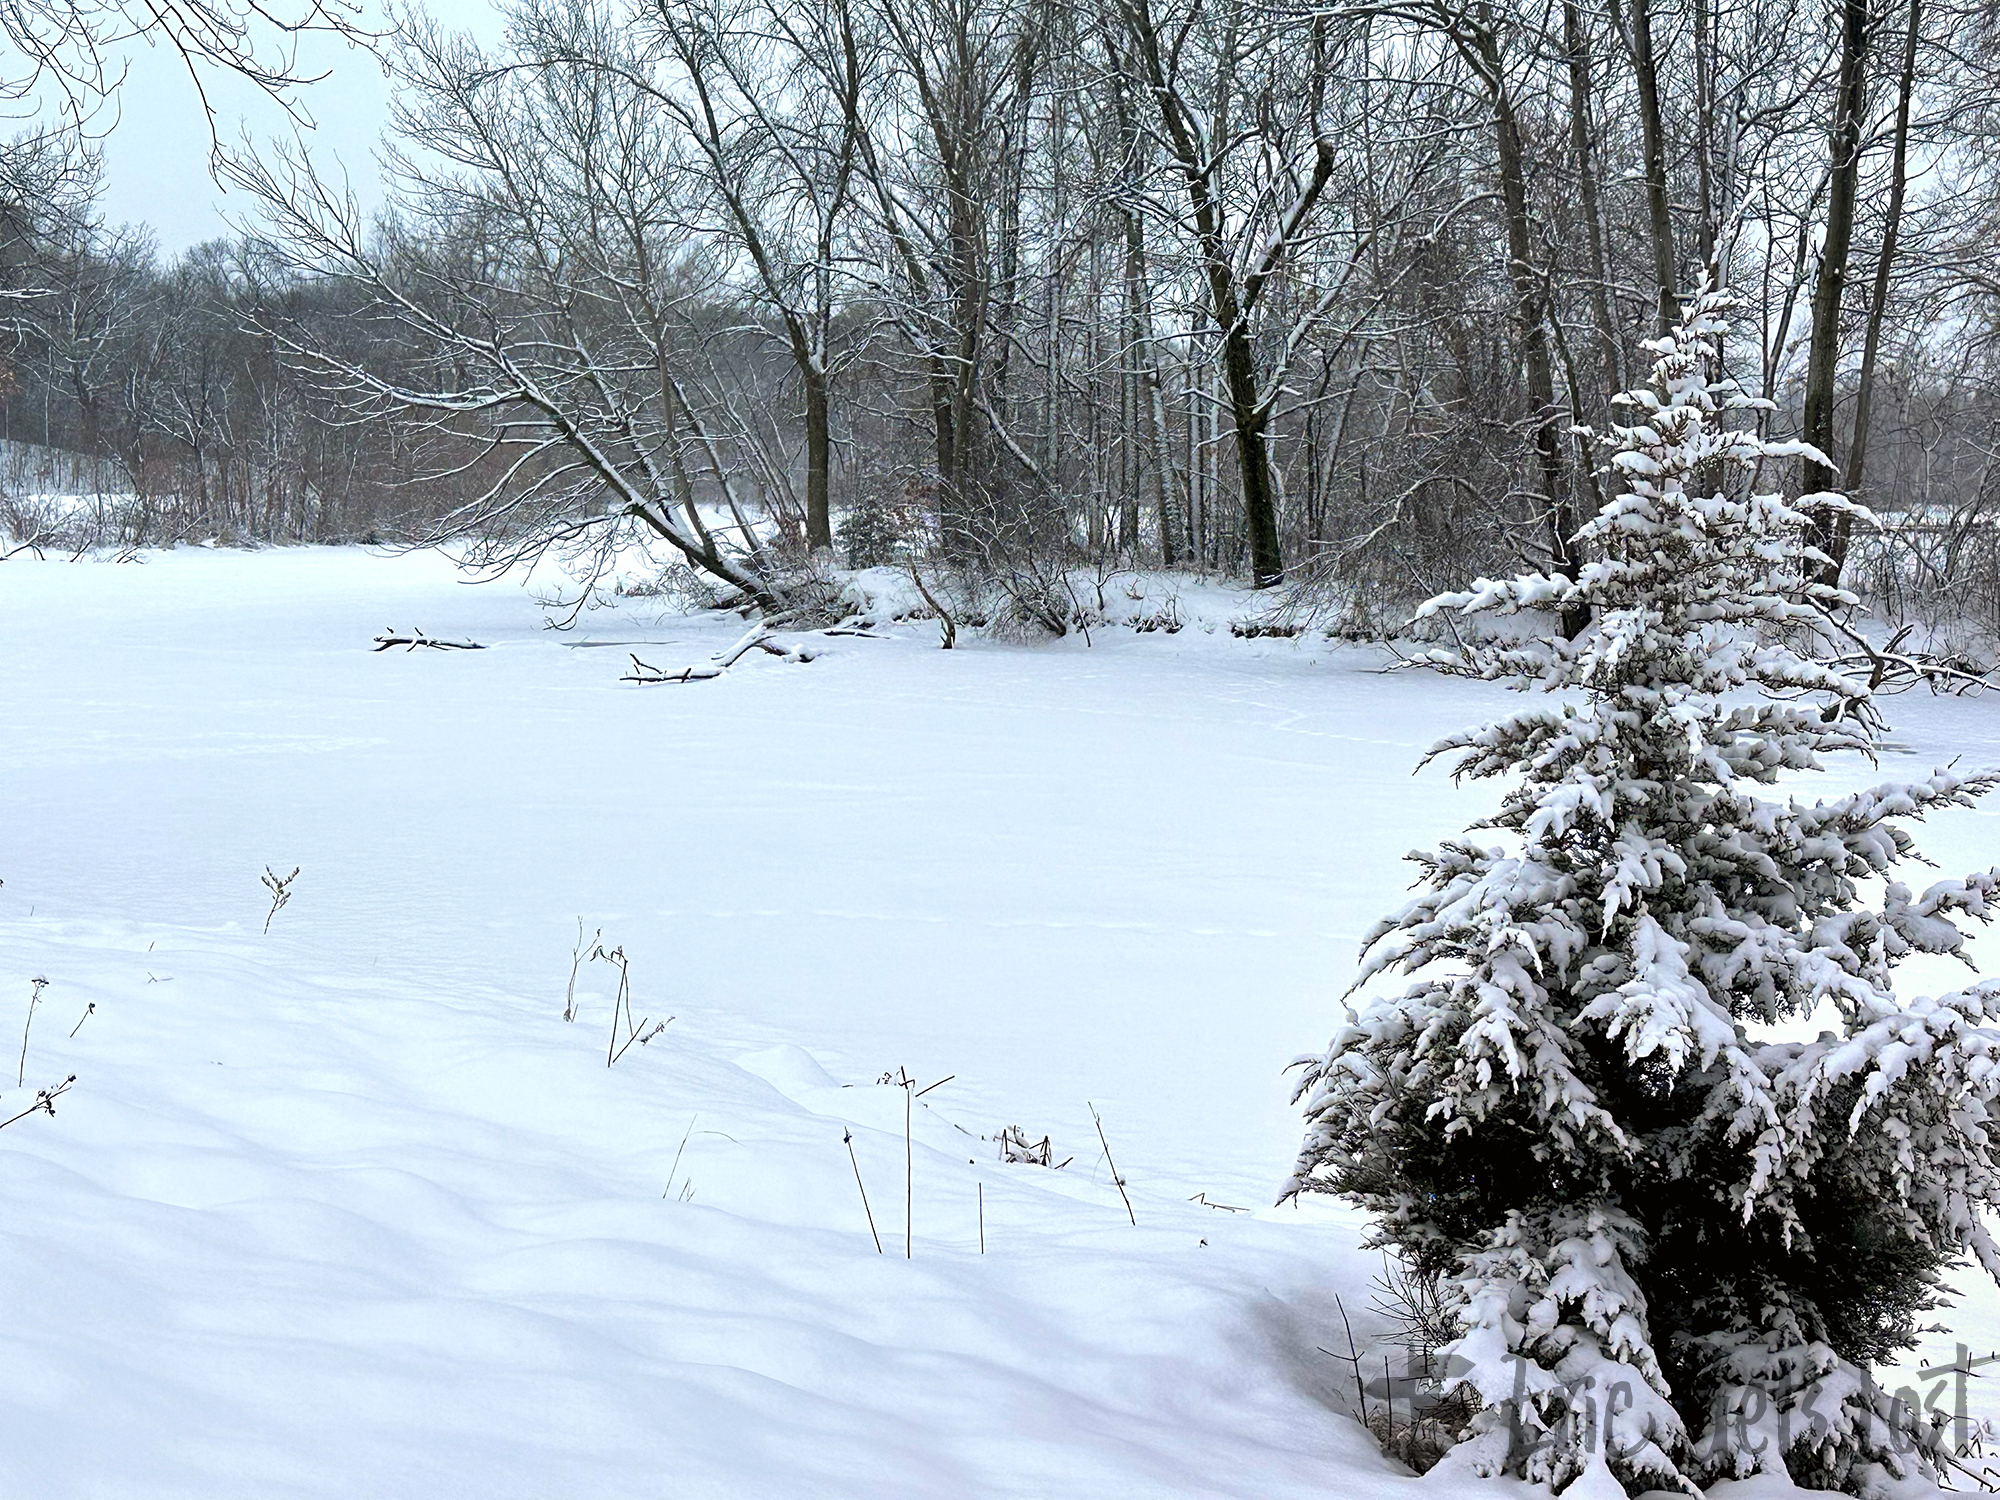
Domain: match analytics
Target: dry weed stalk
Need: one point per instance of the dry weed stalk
(1112, 1164)
(621, 1008)
(848, 1137)
(36, 986)
(576, 958)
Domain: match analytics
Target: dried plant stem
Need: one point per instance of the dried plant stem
(88, 1011)
(673, 1170)
(280, 887)
(575, 965)
(909, 1173)
(1353, 1357)
(34, 999)
(982, 1218)
(623, 1002)
(621, 1006)
(848, 1136)
(1113, 1165)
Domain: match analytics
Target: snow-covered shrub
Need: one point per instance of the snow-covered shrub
(1671, 1239)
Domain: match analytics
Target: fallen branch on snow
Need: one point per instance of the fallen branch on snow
(416, 638)
(759, 639)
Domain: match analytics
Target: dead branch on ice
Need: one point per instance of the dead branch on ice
(1892, 669)
(758, 639)
(416, 638)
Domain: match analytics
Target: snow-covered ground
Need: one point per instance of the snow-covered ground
(348, 1209)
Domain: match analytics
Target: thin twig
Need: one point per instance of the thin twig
(88, 1011)
(982, 1218)
(1113, 1165)
(848, 1136)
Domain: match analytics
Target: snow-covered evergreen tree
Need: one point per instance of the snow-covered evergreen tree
(1678, 1243)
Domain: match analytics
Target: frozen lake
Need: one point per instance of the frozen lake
(348, 1209)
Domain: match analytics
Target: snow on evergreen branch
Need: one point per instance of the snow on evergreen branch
(1573, 1109)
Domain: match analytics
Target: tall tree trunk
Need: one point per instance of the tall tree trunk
(1130, 393)
(819, 462)
(1228, 298)
(1878, 301)
(1708, 210)
(1529, 315)
(1576, 44)
(1823, 355)
(1253, 458)
(1652, 134)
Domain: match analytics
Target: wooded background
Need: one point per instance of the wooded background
(1310, 296)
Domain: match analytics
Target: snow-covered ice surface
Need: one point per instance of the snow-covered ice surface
(348, 1209)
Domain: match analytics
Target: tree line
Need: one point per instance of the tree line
(1315, 295)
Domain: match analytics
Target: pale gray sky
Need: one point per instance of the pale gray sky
(156, 155)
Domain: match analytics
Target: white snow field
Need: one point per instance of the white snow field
(349, 1210)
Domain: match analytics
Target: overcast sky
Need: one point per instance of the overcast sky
(156, 156)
